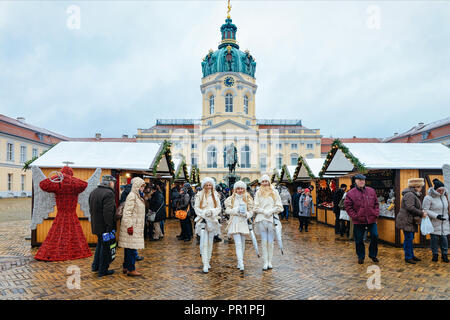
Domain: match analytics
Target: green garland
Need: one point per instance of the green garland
(285, 171)
(302, 162)
(164, 151)
(338, 145)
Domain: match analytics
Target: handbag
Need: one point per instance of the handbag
(119, 211)
(344, 215)
(181, 214)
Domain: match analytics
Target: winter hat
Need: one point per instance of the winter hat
(360, 176)
(264, 178)
(299, 188)
(240, 184)
(416, 182)
(210, 180)
(306, 190)
(437, 184)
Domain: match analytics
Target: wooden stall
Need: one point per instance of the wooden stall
(388, 166)
(119, 159)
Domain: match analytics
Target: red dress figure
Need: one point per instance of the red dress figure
(65, 240)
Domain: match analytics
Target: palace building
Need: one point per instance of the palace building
(228, 89)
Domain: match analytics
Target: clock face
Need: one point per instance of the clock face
(229, 81)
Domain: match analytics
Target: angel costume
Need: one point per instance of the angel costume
(207, 207)
(267, 205)
(65, 239)
(239, 207)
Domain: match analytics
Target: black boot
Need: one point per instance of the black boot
(445, 258)
(410, 261)
(435, 258)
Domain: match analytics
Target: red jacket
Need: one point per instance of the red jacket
(362, 205)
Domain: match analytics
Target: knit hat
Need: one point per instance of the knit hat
(299, 188)
(416, 182)
(437, 184)
(208, 180)
(240, 184)
(264, 178)
(306, 190)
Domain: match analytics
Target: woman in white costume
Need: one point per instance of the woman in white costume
(207, 207)
(267, 205)
(239, 206)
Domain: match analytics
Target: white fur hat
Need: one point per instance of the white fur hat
(264, 178)
(240, 184)
(210, 180)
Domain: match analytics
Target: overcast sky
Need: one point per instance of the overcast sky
(130, 63)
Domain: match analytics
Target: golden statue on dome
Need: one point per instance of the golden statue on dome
(229, 9)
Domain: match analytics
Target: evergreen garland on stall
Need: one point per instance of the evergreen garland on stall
(338, 145)
(301, 161)
(165, 150)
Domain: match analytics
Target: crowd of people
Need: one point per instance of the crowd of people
(246, 211)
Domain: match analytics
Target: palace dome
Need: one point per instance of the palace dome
(228, 57)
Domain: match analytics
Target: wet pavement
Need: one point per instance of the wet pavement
(315, 265)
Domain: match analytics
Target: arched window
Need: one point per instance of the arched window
(245, 157)
(211, 157)
(228, 102)
(245, 104)
(211, 104)
(226, 150)
(279, 161)
(294, 159)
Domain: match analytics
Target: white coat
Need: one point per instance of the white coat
(208, 213)
(238, 222)
(265, 208)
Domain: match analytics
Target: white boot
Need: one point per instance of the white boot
(239, 255)
(205, 256)
(264, 254)
(242, 252)
(270, 251)
(210, 248)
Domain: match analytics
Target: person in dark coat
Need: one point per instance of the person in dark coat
(157, 204)
(184, 203)
(102, 206)
(410, 215)
(295, 198)
(337, 210)
(174, 194)
(361, 204)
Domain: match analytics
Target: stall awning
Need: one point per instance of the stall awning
(356, 157)
(109, 155)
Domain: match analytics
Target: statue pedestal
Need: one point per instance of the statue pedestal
(231, 179)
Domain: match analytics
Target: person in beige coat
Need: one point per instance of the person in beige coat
(207, 207)
(267, 206)
(239, 207)
(131, 236)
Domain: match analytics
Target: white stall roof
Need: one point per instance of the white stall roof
(105, 155)
(315, 164)
(391, 156)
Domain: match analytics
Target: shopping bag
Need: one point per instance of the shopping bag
(109, 240)
(426, 227)
(344, 215)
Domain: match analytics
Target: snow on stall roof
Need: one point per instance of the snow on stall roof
(315, 164)
(106, 155)
(400, 155)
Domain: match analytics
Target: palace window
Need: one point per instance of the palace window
(309, 146)
(279, 146)
(211, 104)
(194, 160)
(228, 102)
(23, 154)
(10, 181)
(279, 161)
(294, 145)
(263, 162)
(193, 146)
(245, 104)
(9, 152)
(35, 153)
(22, 185)
(211, 157)
(294, 159)
(245, 157)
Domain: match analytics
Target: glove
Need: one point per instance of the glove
(243, 214)
(267, 213)
(440, 217)
(130, 231)
(208, 213)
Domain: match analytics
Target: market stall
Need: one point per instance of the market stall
(387, 166)
(123, 160)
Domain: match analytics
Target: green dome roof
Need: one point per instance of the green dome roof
(228, 57)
